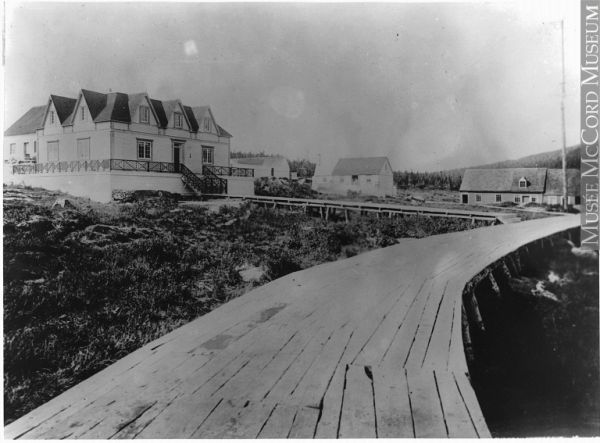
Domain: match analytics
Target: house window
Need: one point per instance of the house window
(83, 149)
(355, 179)
(522, 183)
(144, 114)
(13, 148)
(498, 198)
(206, 124)
(477, 197)
(178, 120)
(144, 149)
(533, 199)
(25, 147)
(341, 179)
(517, 199)
(368, 179)
(82, 113)
(52, 151)
(52, 117)
(208, 155)
(35, 147)
(272, 172)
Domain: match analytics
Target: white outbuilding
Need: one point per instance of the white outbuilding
(360, 175)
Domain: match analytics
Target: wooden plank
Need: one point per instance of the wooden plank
(433, 311)
(392, 404)
(328, 425)
(427, 412)
(358, 409)
(456, 414)
(312, 387)
(388, 319)
(470, 400)
(305, 423)
(231, 420)
(176, 420)
(279, 423)
(285, 386)
(403, 340)
(438, 351)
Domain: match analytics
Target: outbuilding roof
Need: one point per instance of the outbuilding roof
(28, 123)
(504, 180)
(360, 166)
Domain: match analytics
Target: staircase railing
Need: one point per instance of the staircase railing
(208, 184)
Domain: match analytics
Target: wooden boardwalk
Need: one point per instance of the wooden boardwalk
(325, 207)
(369, 346)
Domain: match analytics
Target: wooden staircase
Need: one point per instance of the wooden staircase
(210, 183)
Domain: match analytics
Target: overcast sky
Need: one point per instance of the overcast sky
(432, 86)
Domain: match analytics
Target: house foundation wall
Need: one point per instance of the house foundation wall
(93, 185)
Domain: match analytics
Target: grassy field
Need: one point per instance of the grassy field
(88, 283)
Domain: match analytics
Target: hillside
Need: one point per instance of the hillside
(551, 159)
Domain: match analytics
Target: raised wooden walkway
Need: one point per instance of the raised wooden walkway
(370, 346)
(325, 207)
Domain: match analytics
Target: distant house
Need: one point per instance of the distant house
(274, 166)
(97, 143)
(519, 185)
(361, 175)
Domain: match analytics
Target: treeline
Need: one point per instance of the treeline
(304, 168)
(243, 154)
(439, 180)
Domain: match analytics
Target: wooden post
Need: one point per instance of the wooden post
(389, 214)
(512, 266)
(505, 270)
(326, 213)
(467, 336)
(494, 284)
(475, 310)
(517, 261)
(346, 215)
(321, 211)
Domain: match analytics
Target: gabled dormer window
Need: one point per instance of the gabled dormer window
(52, 117)
(144, 114)
(522, 182)
(206, 124)
(178, 120)
(82, 113)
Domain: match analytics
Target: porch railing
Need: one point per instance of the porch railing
(64, 166)
(227, 170)
(95, 165)
(142, 165)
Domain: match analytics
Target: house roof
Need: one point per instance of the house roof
(260, 161)
(113, 106)
(504, 180)
(554, 182)
(64, 106)
(28, 123)
(359, 166)
(160, 112)
(191, 118)
(96, 102)
(116, 109)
